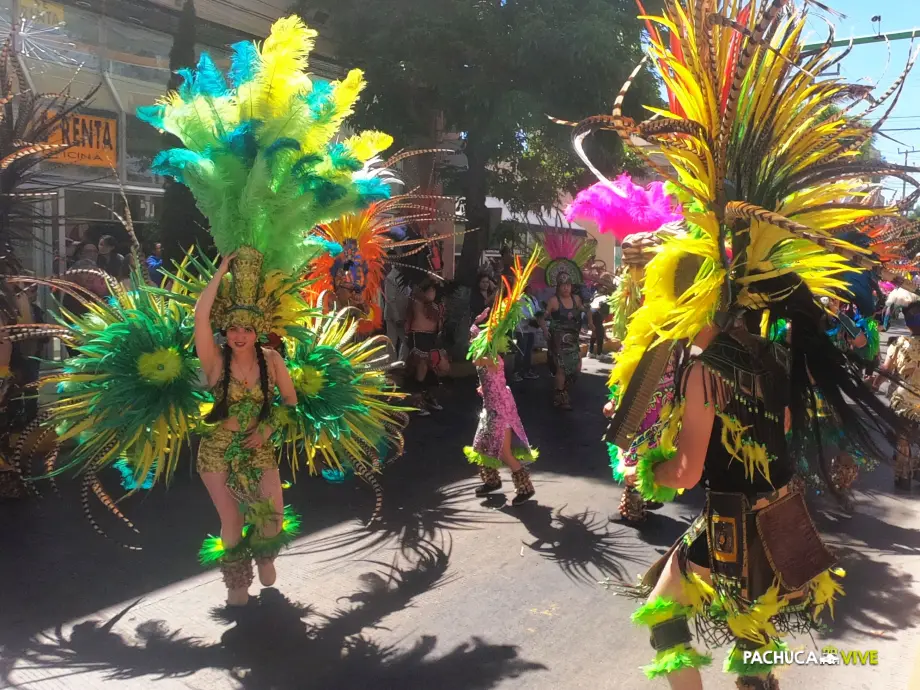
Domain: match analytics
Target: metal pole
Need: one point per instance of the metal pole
(863, 40)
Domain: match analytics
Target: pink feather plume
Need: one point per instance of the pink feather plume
(561, 245)
(623, 207)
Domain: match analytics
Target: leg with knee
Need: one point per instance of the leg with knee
(235, 558)
(667, 614)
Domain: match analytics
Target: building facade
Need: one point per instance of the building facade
(122, 47)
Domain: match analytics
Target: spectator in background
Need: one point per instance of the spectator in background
(78, 233)
(110, 260)
(600, 312)
(897, 299)
(155, 264)
(507, 264)
(85, 255)
(528, 326)
(427, 361)
(395, 307)
(482, 296)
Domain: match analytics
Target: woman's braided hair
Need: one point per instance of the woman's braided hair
(221, 409)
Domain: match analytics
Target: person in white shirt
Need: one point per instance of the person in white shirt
(526, 336)
(396, 304)
(896, 301)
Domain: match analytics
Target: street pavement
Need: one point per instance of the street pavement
(450, 592)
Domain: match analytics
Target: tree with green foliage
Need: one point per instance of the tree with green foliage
(494, 70)
(181, 224)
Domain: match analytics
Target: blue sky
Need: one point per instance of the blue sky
(867, 64)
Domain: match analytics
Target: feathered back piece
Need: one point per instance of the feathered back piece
(493, 338)
(622, 208)
(367, 241)
(763, 160)
(564, 256)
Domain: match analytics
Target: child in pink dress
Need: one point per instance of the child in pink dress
(500, 437)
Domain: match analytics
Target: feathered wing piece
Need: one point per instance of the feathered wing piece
(261, 155)
(128, 395)
(131, 388)
(748, 121)
(623, 208)
(346, 412)
(494, 337)
(563, 253)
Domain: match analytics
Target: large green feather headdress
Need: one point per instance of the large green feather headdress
(260, 152)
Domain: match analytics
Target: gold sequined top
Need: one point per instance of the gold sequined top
(240, 395)
(905, 360)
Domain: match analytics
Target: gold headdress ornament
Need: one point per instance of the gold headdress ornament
(244, 302)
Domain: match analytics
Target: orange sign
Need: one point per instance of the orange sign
(92, 141)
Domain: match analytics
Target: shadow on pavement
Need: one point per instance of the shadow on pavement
(277, 643)
(662, 530)
(581, 544)
(407, 521)
(53, 546)
(880, 600)
(883, 538)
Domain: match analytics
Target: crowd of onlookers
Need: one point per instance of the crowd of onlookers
(92, 262)
(416, 324)
(86, 249)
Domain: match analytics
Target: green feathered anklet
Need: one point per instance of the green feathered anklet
(675, 659)
(680, 656)
(645, 477)
(212, 550)
(269, 547)
(525, 455)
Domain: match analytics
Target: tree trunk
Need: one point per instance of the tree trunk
(477, 215)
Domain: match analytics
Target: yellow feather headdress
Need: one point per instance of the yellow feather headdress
(764, 160)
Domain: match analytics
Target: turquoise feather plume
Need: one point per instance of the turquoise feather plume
(260, 151)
